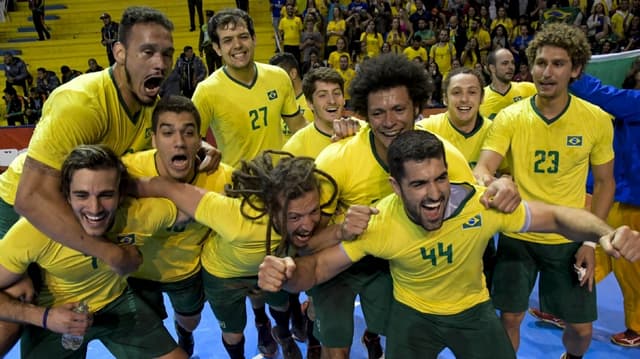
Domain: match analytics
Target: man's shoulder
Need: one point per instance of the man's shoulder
(350, 147)
(578, 104)
(267, 69)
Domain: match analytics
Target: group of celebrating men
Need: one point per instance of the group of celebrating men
(394, 213)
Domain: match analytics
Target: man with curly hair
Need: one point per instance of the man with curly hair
(552, 139)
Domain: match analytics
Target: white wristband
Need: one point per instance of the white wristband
(589, 244)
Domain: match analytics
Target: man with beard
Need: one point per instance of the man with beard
(245, 101)
(552, 140)
(277, 197)
(501, 92)
(433, 233)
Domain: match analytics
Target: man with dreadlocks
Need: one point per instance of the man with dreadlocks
(277, 200)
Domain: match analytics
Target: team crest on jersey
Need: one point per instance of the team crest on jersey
(127, 238)
(574, 141)
(272, 95)
(473, 222)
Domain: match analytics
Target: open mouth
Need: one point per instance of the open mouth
(390, 134)
(302, 237)
(239, 55)
(180, 162)
(153, 83)
(95, 219)
(333, 112)
(431, 209)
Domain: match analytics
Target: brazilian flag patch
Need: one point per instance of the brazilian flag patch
(473, 222)
(574, 141)
(127, 238)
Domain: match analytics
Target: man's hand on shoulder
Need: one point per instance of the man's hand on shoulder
(344, 127)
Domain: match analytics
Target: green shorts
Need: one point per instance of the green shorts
(8, 216)
(186, 296)
(127, 327)
(333, 302)
(474, 333)
(227, 298)
(560, 293)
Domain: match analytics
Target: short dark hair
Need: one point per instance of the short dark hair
(187, 48)
(462, 70)
(388, 71)
(175, 104)
(286, 61)
(231, 18)
(413, 145)
(140, 15)
(91, 157)
(324, 74)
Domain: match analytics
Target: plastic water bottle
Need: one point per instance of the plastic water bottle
(73, 342)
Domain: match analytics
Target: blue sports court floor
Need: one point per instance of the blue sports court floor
(538, 340)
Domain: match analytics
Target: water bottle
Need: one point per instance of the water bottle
(73, 342)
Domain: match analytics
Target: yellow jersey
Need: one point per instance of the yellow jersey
(550, 158)
(469, 144)
(71, 276)
(88, 110)
(246, 119)
(362, 177)
(174, 252)
(309, 142)
(238, 245)
(437, 272)
(10, 178)
(494, 101)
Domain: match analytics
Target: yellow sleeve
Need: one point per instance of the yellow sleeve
(68, 119)
(18, 253)
(324, 162)
(221, 213)
(499, 135)
(603, 148)
(200, 99)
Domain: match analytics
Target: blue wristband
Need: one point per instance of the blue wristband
(45, 316)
